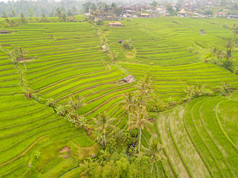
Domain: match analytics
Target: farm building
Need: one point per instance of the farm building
(233, 16)
(115, 24)
(182, 13)
(4, 32)
(128, 79)
(145, 15)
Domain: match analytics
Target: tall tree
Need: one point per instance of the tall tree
(128, 104)
(140, 121)
(102, 124)
(22, 18)
(74, 104)
(154, 152)
(22, 53)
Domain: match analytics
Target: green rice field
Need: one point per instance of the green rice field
(200, 137)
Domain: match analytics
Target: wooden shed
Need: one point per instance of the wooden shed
(115, 24)
(128, 79)
(4, 32)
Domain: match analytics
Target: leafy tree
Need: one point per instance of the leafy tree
(89, 6)
(43, 18)
(99, 22)
(30, 12)
(127, 44)
(4, 15)
(13, 13)
(154, 4)
(225, 89)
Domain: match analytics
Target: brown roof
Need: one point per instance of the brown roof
(182, 11)
(4, 31)
(117, 23)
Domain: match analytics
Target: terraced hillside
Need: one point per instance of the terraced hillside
(27, 127)
(165, 41)
(200, 139)
(172, 81)
(69, 62)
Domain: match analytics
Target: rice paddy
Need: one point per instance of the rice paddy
(199, 137)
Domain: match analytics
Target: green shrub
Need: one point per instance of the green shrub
(127, 44)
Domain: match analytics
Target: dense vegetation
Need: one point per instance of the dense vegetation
(65, 110)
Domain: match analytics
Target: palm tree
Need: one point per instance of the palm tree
(50, 102)
(128, 104)
(154, 152)
(74, 104)
(61, 110)
(230, 44)
(235, 30)
(140, 121)
(85, 168)
(11, 55)
(144, 90)
(228, 55)
(21, 52)
(102, 124)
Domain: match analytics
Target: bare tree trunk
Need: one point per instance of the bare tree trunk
(129, 118)
(140, 139)
(25, 64)
(104, 137)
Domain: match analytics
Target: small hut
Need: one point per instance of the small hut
(115, 24)
(145, 15)
(128, 79)
(182, 13)
(4, 32)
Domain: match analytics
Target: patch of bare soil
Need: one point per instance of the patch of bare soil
(21, 61)
(65, 152)
(202, 32)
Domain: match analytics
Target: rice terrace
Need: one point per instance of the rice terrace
(139, 97)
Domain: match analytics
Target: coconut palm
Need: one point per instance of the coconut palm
(228, 55)
(154, 152)
(50, 102)
(230, 44)
(21, 52)
(140, 121)
(102, 124)
(11, 55)
(235, 30)
(128, 104)
(74, 104)
(61, 110)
